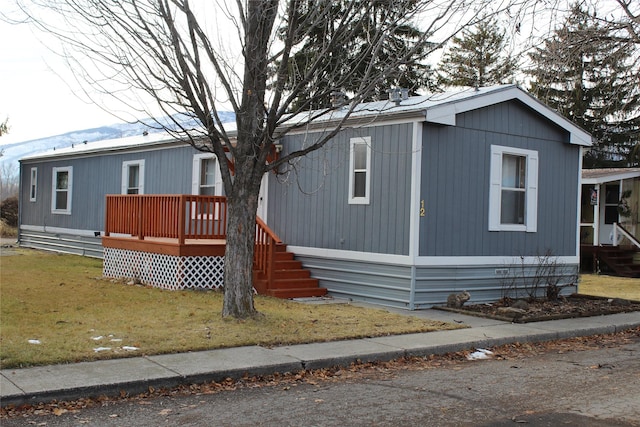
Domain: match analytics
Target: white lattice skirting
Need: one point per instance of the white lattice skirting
(165, 271)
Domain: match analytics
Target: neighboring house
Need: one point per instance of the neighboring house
(609, 220)
(412, 201)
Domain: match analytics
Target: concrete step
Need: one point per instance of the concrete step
(297, 292)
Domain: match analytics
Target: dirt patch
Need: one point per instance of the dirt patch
(540, 310)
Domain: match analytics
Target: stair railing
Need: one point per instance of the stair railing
(620, 230)
(265, 251)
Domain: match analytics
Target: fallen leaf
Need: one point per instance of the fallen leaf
(59, 411)
(165, 412)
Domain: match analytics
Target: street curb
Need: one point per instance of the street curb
(173, 379)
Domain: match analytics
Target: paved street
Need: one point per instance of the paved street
(584, 388)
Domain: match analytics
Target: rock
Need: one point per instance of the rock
(520, 304)
(620, 302)
(511, 312)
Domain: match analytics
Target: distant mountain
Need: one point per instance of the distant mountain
(11, 153)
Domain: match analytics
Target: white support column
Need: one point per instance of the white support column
(414, 213)
(596, 217)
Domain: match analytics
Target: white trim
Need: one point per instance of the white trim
(56, 230)
(54, 172)
(124, 186)
(33, 184)
(366, 141)
(596, 216)
(377, 121)
(579, 202)
(462, 261)
(610, 178)
(445, 113)
(340, 254)
(423, 261)
(416, 176)
(263, 207)
(495, 189)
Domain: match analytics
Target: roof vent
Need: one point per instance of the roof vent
(145, 133)
(338, 98)
(398, 94)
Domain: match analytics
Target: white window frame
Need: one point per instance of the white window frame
(196, 172)
(366, 141)
(33, 185)
(54, 195)
(126, 165)
(195, 181)
(531, 189)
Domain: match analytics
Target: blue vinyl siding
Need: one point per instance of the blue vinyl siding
(167, 171)
(309, 206)
(455, 185)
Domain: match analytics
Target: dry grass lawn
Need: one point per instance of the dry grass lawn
(609, 286)
(60, 301)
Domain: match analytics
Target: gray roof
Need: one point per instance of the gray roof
(599, 176)
(440, 108)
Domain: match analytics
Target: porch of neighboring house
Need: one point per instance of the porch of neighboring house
(608, 237)
(178, 242)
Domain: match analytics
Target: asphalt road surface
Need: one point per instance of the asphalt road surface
(597, 387)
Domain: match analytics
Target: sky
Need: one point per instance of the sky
(38, 93)
(36, 99)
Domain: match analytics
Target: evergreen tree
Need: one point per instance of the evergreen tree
(584, 72)
(402, 39)
(477, 58)
(4, 127)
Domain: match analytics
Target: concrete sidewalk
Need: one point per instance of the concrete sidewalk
(135, 375)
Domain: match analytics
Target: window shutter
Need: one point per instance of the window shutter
(195, 175)
(495, 186)
(532, 193)
(125, 178)
(141, 177)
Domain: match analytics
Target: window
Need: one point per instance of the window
(33, 186)
(206, 180)
(133, 177)
(61, 190)
(513, 195)
(611, 200)
(359, 170)
(207, 184)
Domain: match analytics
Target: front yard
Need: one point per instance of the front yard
(56, 309)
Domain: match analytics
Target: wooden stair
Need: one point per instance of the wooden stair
(290, 279)
(620, 260)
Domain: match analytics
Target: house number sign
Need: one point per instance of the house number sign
(421, 207)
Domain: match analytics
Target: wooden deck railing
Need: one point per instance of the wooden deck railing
(264, 256)
(184, 217)
(169, 216)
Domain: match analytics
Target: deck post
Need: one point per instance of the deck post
(141, 215)
(106, 217)
(181, 217)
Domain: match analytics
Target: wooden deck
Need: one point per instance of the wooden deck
(194, 226)
(168, 246)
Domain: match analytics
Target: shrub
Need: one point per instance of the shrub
(6, 231)
(9, 211)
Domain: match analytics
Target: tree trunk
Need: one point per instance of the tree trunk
(238, 261)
